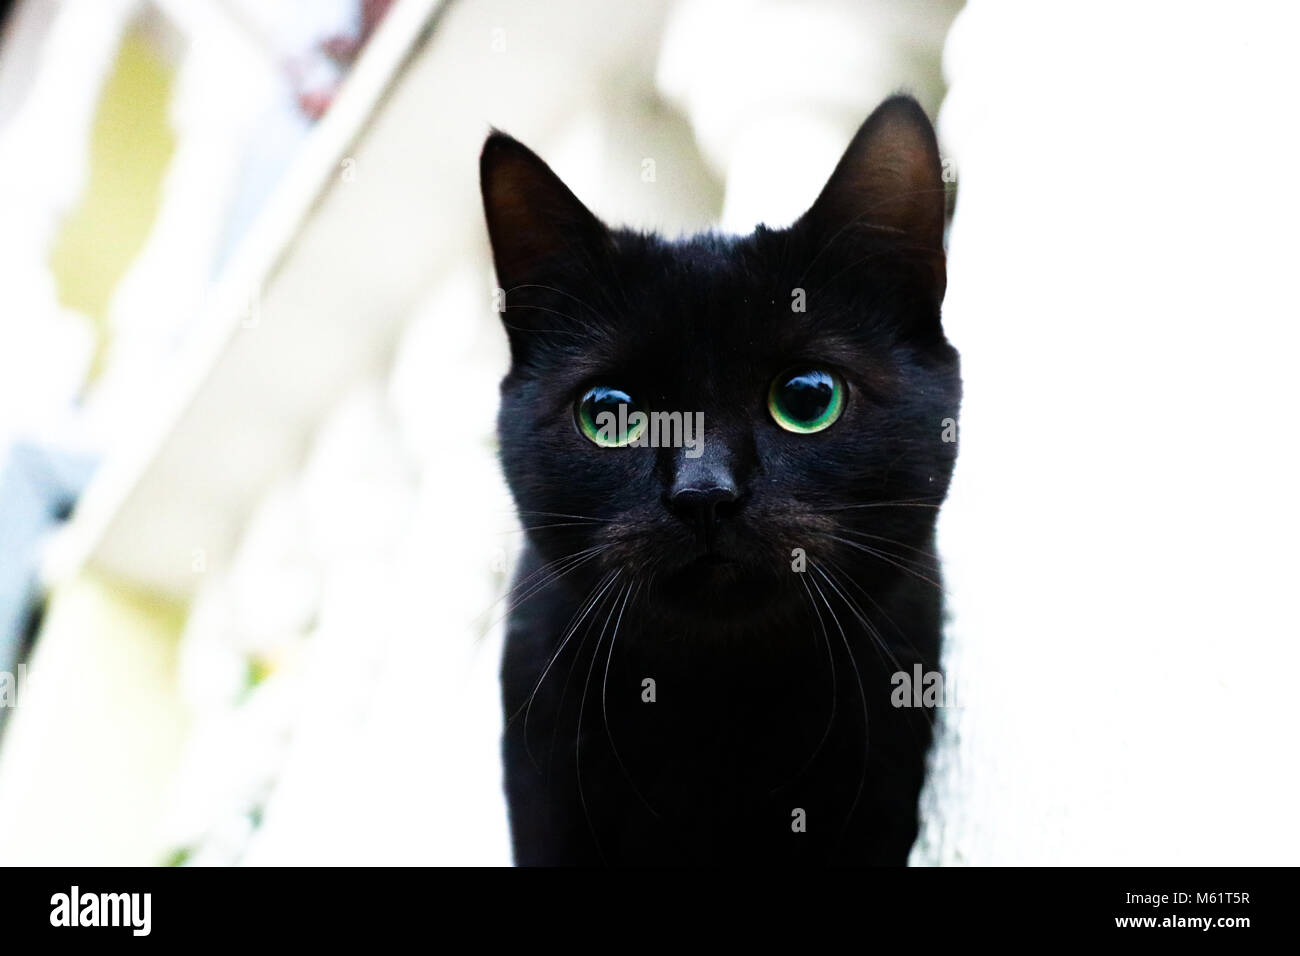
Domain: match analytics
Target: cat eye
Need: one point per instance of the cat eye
(609, 417)
(806, 400)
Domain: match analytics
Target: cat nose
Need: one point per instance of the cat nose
(704, 505)
(705, 501)
(705, 489)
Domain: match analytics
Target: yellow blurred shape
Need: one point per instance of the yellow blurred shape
(130, 147)
(89, 753)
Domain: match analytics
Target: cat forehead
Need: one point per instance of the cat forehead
(706, 304)
(738, 302)
(718, 337)
(701, 277)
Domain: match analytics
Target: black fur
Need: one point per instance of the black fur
(772, 685)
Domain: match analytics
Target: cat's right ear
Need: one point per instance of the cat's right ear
(534, 221)
(887, 189)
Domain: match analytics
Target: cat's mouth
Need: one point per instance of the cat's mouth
(716, 590)
(715, 573)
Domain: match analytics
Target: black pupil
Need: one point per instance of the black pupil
(806, 396)
(604, 400)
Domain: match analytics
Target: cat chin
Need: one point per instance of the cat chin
(718, 596)
(768, 626)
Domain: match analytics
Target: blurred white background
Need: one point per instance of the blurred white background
(271, 634)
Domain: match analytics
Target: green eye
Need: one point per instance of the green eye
(608, 417)
(806, 400)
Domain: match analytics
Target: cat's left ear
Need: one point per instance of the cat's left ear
(534, 221)
(887, 187)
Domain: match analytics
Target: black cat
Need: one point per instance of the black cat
(699, 662)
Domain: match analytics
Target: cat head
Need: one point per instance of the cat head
(798, 393)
